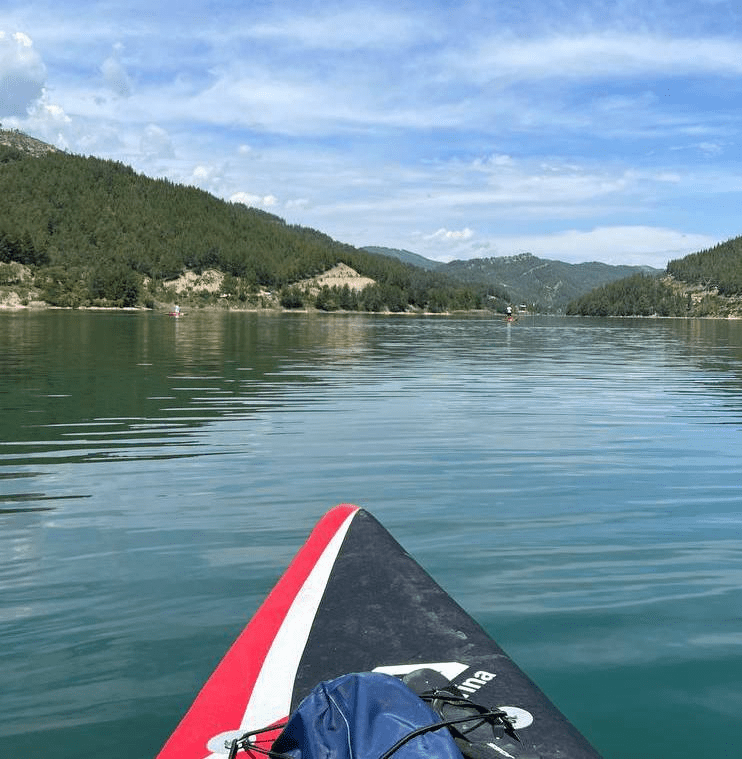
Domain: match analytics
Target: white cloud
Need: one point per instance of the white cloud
(630, 245)
(487, 192)
(548, 189)
(493, 161)
(451, 234)
(343, 28)
(155, 143)
(297, 204)
(711, 148)
(249, 199)
(607, 54)
(298, 101)
(208, 177)
(22, 74)
(115, 74)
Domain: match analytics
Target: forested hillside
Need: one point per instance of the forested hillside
(542, 284)
(93, 232)
(638, 295)
(718, 268)
(707, 283)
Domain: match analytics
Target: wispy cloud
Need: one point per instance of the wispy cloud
(451, 234)
(343, 28)
(630, 245)
(597, 55)
(115, 74)
(248, 199)
(22, 74)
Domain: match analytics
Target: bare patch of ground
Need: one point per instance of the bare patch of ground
(16, 287)
(10, 299)
(190, 282)
(14, 299)
(711, 303)
(20, 141)
(339, 276)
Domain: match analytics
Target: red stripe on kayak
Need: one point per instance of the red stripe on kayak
(221, 703)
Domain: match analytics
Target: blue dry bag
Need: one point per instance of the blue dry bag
(364, 716)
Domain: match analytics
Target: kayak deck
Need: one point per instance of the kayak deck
(353, 600)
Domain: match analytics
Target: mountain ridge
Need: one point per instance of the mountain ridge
(540, 283)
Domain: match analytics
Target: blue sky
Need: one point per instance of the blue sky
(577, 131)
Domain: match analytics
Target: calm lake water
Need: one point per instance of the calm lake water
(574, 483)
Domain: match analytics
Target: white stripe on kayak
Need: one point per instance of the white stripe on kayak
(271, 697)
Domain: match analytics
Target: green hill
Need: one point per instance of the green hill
(541, 283)
(718, 268)
(94, 232)
(707, 283)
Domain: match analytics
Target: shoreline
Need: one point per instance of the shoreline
(11, 305)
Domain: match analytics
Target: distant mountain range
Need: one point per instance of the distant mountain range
(539, 283)
(406, 257)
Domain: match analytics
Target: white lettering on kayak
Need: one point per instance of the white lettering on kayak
(473, 684)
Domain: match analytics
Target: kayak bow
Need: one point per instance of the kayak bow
(352, 600)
